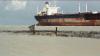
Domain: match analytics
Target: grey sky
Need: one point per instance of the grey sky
(22, 12)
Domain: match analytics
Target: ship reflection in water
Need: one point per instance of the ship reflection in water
(51, 16)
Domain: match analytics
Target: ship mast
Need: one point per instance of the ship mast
(37, 10)
(86, 7)
(54, 3)
(79, 9)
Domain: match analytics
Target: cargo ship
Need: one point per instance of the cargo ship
(51, 16)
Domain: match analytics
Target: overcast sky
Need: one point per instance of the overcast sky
(23, 11)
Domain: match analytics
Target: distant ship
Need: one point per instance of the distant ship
(50, 16)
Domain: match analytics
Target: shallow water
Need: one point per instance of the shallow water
(26, 44)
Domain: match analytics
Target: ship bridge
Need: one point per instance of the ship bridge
(49, 10)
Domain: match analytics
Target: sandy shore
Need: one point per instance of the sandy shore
(12, 44)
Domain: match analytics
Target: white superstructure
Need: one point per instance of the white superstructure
(49, 10)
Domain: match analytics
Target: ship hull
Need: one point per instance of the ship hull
(70, 23)
(69, 20)
(91, 23)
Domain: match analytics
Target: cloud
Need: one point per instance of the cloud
(16, 5)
